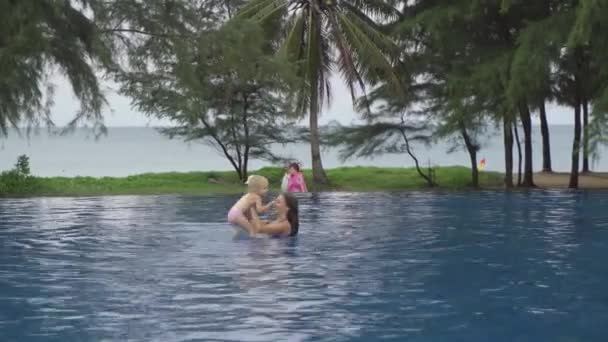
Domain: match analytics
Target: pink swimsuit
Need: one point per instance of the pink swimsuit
(234, 214)
(295, 183)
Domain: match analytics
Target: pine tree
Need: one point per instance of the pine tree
(36, 36)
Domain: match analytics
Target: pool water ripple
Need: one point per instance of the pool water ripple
(418, 266)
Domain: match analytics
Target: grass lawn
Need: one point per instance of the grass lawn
(342, 179)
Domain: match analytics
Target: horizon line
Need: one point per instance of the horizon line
(164, 126)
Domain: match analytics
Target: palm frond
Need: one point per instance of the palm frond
(383, 41)
(346, 64)
(293, 45)
(269, 10)
(318, 57)
(254, 8)
(372, 63)
(380, 9)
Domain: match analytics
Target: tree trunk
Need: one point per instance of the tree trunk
(472, 149)
(228, 8)
(586, 168)
(526, 122)
(247, 148)
(428, 178)
(224, 148)
(576, 145)
(239, 171)
(544, 130)
(578, 103)
(318, 173)
(508, 137)
(519, 159)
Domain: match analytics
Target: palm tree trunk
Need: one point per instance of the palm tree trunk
(576, 145)
(519, 158)
(318, 173)
(526, 122)
(586, 168)
(508, 137)
(544, 130)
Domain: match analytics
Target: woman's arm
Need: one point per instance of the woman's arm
(268, 228)
(262, 208)
(274, 228)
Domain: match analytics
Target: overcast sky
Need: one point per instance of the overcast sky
(121, 113)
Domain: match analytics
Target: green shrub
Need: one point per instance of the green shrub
(213, 175)
(18, 181)
(23, 165)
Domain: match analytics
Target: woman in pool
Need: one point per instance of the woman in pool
(287, 222)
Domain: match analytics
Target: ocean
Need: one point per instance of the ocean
(133, 150)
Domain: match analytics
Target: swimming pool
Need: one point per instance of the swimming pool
(479, 266)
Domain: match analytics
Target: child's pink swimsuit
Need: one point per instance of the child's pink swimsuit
(295, 183)
(234, 214)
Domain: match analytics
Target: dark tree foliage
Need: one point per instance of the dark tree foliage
(223, 90)
(37, 37)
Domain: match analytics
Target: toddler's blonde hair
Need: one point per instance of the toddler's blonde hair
(255, 182)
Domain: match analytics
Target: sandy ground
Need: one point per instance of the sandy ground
(593, 180)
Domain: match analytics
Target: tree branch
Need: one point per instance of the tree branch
(428, 179)
(221, 144)
(146, 33)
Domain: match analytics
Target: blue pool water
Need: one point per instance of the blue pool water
(487, 266)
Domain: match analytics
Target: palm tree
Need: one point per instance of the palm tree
(323, 36)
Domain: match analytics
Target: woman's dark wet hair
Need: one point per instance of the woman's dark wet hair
(292, 213)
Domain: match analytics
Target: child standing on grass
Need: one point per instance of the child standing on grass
(296, 181)
(257, 186)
